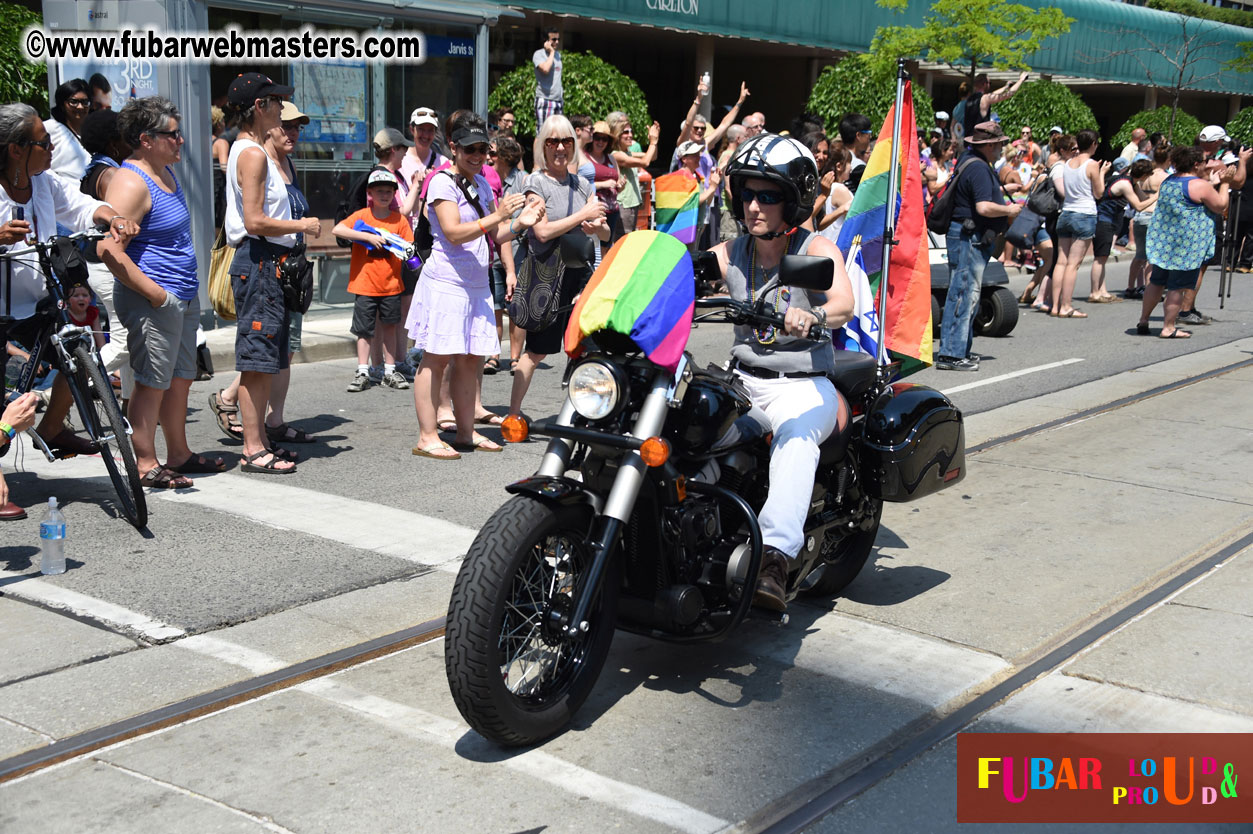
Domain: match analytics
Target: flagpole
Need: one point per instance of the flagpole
(889, 216)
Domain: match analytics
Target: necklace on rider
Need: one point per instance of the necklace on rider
(782, 295)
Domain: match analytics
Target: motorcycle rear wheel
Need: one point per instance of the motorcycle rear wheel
(842, 560)
(515, 679)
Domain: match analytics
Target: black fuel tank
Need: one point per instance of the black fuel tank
(710, 405)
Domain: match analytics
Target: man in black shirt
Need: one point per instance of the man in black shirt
(980, 212)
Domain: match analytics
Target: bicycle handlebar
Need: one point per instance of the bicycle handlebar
(86, 234)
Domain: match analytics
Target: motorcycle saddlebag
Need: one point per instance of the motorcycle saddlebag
(915, 443)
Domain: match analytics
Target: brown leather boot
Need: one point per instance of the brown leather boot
(771, 590)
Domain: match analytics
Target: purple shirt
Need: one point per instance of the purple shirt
(462, 264)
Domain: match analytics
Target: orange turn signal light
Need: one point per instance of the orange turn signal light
(655, 451)
(515, 429)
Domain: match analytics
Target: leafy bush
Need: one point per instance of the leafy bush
(858, 85)
(1042, 104)
(1241, 127)
(1158, 121)
(24, 81)
(590, 86)
(1195, 8)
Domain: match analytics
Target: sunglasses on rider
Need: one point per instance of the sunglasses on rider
(553, 142)
(765, 198)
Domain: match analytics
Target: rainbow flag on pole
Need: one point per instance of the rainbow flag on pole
(676, 201)
(645, 289)
(907, 320)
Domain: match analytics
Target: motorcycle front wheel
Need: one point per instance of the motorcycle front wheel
(842, 559)
(515, 677)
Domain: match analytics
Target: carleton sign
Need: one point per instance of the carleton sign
(688, 7)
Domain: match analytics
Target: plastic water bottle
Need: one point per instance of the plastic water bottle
(52, 540)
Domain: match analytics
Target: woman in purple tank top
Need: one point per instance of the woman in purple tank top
(155, 293)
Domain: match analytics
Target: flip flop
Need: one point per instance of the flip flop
(446, 425)
(489, 419)
(198, 465)
(482, 444)
(283, 433)
(1176, 334)
(160, 477)
(270, 467)
(1142, 329)
(1026, 298)
(227, 416)
(1073, 314)
(429, 451)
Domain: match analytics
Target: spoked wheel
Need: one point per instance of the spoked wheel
(842, 560)
(102, 420)
(515, 675)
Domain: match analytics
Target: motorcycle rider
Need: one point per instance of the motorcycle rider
(774, 182)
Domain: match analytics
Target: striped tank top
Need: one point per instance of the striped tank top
(163, 249)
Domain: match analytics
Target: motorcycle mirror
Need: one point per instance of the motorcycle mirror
(576, 249)
(807, 272)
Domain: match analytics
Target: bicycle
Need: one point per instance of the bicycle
(74, 354)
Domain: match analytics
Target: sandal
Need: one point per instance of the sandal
(489, 419)
(283, 433)
(270, 467)
(447, 424)
(429, 451)
(159, 477)
(1176, 334)
(284, 454)
(198, 465)
(1027, 298)
(228, 416)
(480, 444)
(491, 366)
(1073, 314)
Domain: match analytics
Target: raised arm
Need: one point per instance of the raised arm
(686, 132)
(713, 139)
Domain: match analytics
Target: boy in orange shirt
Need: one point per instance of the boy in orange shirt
(374, 277)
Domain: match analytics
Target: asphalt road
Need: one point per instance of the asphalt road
(244, 574)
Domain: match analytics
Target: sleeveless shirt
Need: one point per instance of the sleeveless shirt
(274, 204)
(786, 354)
(163, 248)
(1181, 233)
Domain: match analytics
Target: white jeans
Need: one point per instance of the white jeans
(802, 413)
(114, 354)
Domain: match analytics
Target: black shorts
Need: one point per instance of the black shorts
(1104, 240)
(409, 277)
(386, 308)
(262, 329)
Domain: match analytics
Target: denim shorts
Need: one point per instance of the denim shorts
(1075, 225)
(262, 330)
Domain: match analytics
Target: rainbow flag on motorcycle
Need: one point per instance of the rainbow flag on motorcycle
(907, 320)
(645, 289)
(676, 204)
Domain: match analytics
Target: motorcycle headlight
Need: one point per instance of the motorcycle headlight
(594, 390)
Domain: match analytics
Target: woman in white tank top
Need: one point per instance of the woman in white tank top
(258, 221)
(1079, 179)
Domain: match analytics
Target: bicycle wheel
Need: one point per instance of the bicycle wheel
(102, 419)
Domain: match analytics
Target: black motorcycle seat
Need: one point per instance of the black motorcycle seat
(854, 374)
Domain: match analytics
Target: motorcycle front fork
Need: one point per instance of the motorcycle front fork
(607, 528)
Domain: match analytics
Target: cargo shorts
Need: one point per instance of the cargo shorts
(262, 325)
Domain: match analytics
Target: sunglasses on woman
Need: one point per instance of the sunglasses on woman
(600, 137)
(553, 142)
(765, 198)
(480, 148)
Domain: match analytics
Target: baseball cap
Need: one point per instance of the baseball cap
(690, 148)
(1120, 163)
(250, 86)
(291, 113)
(1213, 133)
(423, 116)
(1056, 129)
(941, 114)
(467, 136)
(381, 176)
(390, 137)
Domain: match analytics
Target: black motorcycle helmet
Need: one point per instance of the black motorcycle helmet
(782, 160)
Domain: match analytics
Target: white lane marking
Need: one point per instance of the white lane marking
(30, 586)
(1010, 375)
(1061, 703)
(261, 820)
(362, 524)
(258, 663)
(533, 763)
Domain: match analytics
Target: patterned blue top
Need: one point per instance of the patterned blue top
(1181, 233)
(163, 249)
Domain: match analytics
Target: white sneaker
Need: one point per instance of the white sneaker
(395, 380)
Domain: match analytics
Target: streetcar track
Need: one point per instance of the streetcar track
(792, 812)
(205, 703)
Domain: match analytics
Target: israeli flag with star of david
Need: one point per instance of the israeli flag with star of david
(861, 333)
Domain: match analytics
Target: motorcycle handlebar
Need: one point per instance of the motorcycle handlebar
(743, 312)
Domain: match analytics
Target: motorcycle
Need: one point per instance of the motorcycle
(622, 527)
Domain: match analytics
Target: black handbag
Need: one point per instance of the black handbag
(295, 276)
(537, 295)
(1043, 198)
(1023, 230)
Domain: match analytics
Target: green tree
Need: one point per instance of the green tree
(1042, 104)
(1241, 127)
(1163, 120)
(591, 86)
(22, 80)
(858, 84)
(968, 34)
